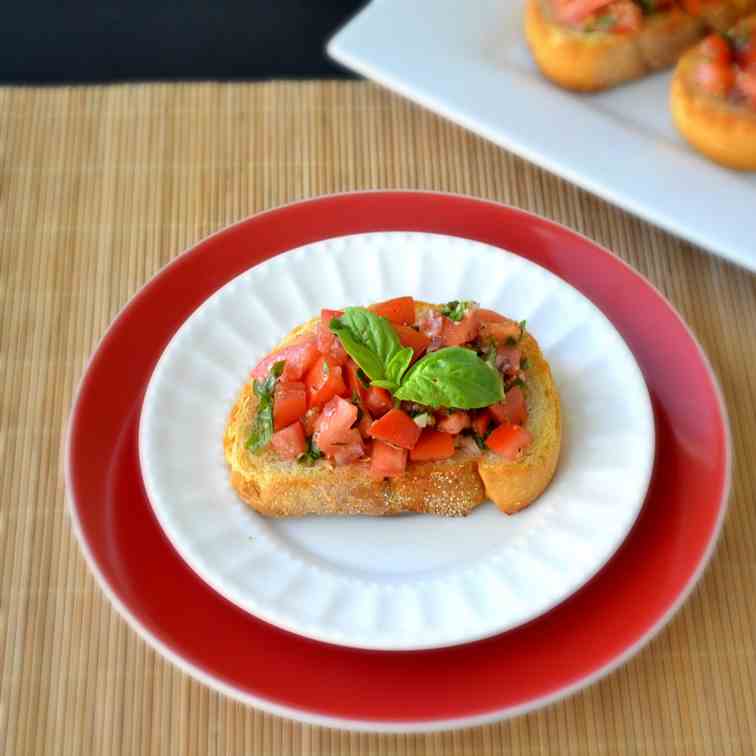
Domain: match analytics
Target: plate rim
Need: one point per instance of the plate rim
(379, 725)
(326, 635)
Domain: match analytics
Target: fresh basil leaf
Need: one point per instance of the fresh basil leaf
(398, 364)
(455, 310)
(370, 341)
(452, 377)
(311, 455)
(388, 385)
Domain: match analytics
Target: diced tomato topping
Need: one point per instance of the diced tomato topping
(298, 356)
(628, 17)
(455, 334)
(387, 461)
(746, 84)
(289, 403)
(717, 49)
(333, 428)
(513, 409)
(481, 422)
(364, 424)
(456, 422)
(396, 427)
(431, 324)
(378, 401)
(355, 385)
(490, 316)
(349, 449)
(324, 381)
(501, 331)
(433, 444)
(508, 359)
(400, 310)
(574, 11)
(409, 337)
(310, 420)
(509, 440)
(715, 78)
(289, 442)
(745, 49)
(328, 342)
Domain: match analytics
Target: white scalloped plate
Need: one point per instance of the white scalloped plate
(414, 581)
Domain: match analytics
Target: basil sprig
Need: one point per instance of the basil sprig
(262, 428)
(372, 343)
(452, 377)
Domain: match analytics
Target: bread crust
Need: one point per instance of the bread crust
(593, 61)
(452, 487)
(721, 130)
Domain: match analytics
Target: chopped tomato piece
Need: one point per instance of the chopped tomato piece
(509, 440)
(378, 401)
(324, 381)
(456, 422)
(574, 11)
(328, 342)
(354, 383)
(396, 427)
(433, 444)
(627, 16)
(481, 422)
(501, 331)
(364, 424)
(508, 359)
(289, 403)
(298, 357)
(349, 449)
(717, 49)
(490, 316)
(387, 461)
(513, 409)
(692, 7)
(289, 442)
(333, 427)
(746, 84)
(455, 334)
(409, 337)
(400, 310)
(715, 78)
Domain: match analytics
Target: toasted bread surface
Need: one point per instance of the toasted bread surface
(593, 61)
(721, 130)
(452, 487)
(720, 15)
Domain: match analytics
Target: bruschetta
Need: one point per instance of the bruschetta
(402, 406)
(590, 45)
(713, 96)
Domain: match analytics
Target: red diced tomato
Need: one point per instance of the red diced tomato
(509, 440)
(489, 316)
(396, 427)
(456, 334)
(628, 17)
(364, 424)
(433, 444)
(746, 84)
(574, 11)
(378, 401)
(328, 342)
(333, 427)
(692, 7)
(508, 359)
(298, 356)
(400, 310)
(745, 49)
(481, 422)
(355, 385)
(289, 403)
(715, 78)
(310, 420)
(349, 449)
(456, 422)
(324, 381)
(289, 442)
(513, 409)
(409, 337)
(387, 461)
(500, 331)
(717, 49)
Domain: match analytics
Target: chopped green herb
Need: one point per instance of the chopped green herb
(479, 440)
(262, 427)
(311, 455)
(524, 363)
(456, 309)
(326, 370)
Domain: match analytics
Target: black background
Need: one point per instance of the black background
(71, 42)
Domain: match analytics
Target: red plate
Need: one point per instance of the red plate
(582, 639)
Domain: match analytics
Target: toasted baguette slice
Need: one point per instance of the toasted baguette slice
(722, 130)
(451, 487)
(593, 61)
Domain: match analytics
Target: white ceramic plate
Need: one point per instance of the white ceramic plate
(413, 581)
(469, 62)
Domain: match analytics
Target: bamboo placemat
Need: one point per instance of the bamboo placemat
(100, 187)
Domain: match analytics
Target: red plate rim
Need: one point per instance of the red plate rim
(575, 644)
